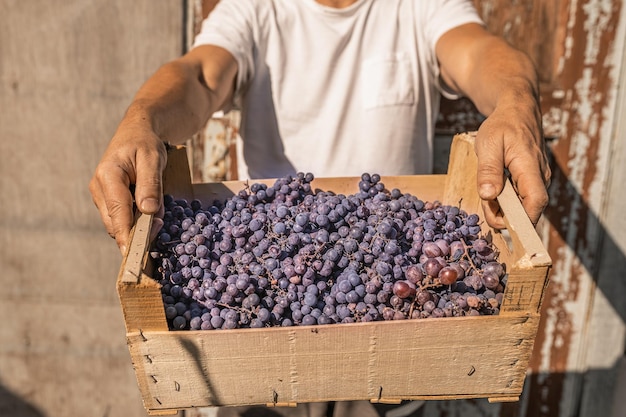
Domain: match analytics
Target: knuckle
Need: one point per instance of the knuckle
(116, 209)
(547, 176)
(151, 181)
(542, 200)
(487, 170)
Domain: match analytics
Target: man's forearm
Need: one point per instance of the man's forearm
(486, 69)
(173, 103)
(501, 76)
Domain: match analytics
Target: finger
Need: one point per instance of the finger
(148, 187)
(98, 199)
(119, 203)
(157, 223)
(493, 214)
(490, 174)
(531, 188)
(530, 174)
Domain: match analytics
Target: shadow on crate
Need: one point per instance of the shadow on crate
(13, 405)
(193, 350)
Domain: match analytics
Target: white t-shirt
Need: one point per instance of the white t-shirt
(335, 92)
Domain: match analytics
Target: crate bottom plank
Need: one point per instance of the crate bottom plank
(385, 361)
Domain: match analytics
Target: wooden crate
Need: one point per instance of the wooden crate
(390, 361)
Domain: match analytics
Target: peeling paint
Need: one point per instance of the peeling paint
(577, 66)
(576, 195)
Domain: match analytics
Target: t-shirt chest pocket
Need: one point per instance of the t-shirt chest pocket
(387, 81)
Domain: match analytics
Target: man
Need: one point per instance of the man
(336, 88)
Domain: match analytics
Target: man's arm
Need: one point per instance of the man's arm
(171, 106)
(502, 82)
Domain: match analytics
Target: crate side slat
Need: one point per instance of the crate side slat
(177, 174)
(524, 290)
(139, 294)
(496, 398)
(526, 246)
(460, 188)
(135, 258)
(142, 305)
(473, 357)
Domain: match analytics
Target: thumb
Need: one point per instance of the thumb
(490, 174)
(148, 186)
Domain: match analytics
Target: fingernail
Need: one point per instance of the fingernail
(123, 249)
(150, 205)
(487, 191)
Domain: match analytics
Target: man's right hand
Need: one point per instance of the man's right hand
(134, 157)
(172, 105)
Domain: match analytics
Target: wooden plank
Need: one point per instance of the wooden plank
(139, 294)
(392, 360)
(142, 305)
(176, 175)
(425, 187)
(461, 184)
(136, 254)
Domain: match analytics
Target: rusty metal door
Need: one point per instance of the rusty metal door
(578, 48)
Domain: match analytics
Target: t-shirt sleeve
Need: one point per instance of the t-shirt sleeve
(437, 18)
(230, 26)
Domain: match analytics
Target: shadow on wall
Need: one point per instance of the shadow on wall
(586, 235)
(12, 405)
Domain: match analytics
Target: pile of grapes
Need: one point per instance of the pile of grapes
(285, 255)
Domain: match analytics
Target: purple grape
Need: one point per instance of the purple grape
(283, 253)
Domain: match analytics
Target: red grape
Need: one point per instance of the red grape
(432, 267)
(403, 289)
(448, 275)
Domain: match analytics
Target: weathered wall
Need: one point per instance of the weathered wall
(68, 69)
(579, 49)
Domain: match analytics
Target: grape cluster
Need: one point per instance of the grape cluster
(286, 255)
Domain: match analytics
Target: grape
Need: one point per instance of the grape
(432, 267)
(448, 275)
(403, 289)
(472, 220)
(473, 301)
(490, 280)
(171, 312)
(494, 267)
(285, 255)
(179, 322)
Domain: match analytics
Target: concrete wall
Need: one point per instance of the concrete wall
(68, 69)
